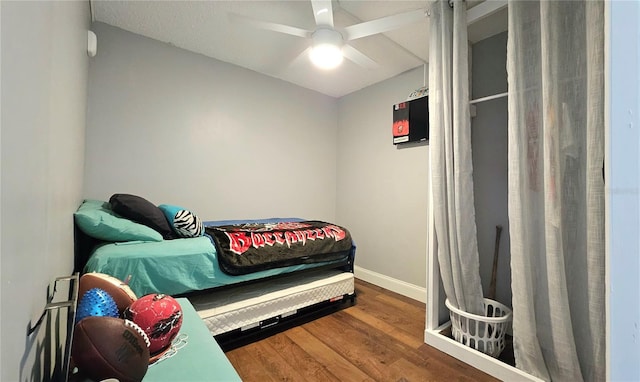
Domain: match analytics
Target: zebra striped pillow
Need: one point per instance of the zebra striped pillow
(184, 222)
(187, 224)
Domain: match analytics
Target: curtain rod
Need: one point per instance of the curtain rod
(481, 10)
(489, 98)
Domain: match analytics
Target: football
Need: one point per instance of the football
(117, 289)
(160, 316)
(109, 347)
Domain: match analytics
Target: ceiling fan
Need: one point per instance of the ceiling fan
(329, 45)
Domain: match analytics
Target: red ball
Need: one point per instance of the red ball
(160, 316)
(109, 347)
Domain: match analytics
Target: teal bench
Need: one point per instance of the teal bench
(200, 360)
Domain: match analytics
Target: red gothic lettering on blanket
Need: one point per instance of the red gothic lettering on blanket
(251, 247)
(240, 241)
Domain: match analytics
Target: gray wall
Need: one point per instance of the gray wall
(177, 127)
(382, 188)
(180, 128)
(489, 144)
(44, 84)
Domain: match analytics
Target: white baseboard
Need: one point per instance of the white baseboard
(398, 286)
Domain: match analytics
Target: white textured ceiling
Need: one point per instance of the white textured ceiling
(205, 27)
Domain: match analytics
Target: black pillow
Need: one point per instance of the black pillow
(141, 211)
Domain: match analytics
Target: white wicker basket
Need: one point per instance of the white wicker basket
(484, 333)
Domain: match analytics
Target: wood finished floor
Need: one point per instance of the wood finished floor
(380, 338)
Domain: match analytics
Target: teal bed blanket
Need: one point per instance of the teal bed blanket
(174, 267)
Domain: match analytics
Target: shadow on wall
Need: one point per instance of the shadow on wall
(409, 145)
(47, 348)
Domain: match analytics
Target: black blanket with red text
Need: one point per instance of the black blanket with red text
(252, 247)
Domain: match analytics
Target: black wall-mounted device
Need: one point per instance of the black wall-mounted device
(411, 121)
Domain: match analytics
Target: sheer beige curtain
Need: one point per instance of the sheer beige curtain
(455, 239)
(555, 59)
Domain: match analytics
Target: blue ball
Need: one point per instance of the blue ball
(96, 302)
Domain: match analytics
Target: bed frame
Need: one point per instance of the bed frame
(240, 314)
(262, 307)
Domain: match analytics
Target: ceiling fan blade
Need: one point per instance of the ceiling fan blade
(383, 24)
(323, 12)
(358, 57)
(266, 25)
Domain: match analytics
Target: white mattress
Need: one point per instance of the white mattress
(244, 307)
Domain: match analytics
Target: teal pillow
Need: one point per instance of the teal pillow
(96, 219)
(184, 222)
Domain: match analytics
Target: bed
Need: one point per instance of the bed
(237, 299)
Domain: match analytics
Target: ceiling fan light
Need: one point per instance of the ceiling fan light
(326, 52)
(326, 56)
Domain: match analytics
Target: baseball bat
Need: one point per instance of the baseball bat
(494, 270)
